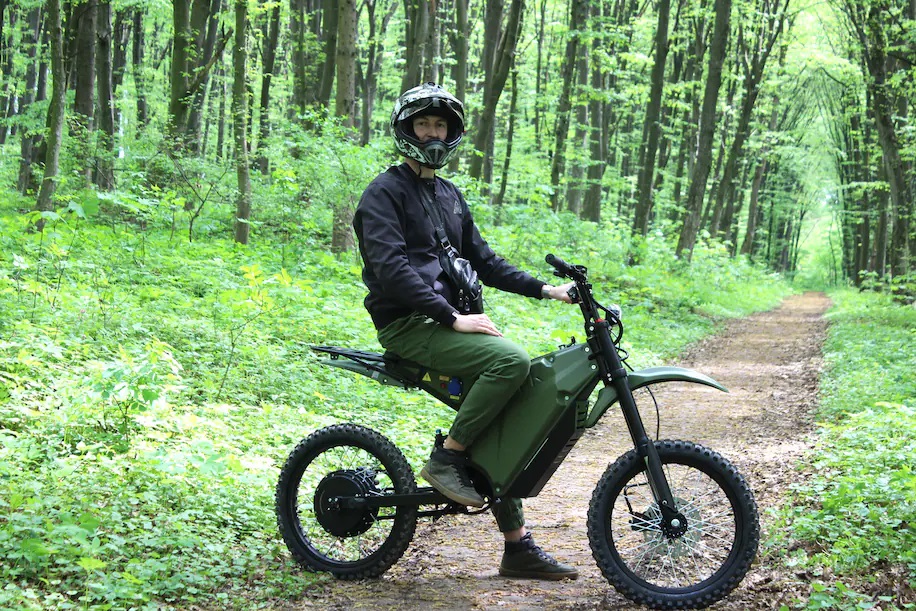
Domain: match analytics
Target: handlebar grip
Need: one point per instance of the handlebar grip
(565, 270)
(559, 264)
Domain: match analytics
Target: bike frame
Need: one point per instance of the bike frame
(534, 433)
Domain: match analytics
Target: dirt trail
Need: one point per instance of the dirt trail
(769, 362)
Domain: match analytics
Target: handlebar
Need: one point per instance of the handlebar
(565, 270)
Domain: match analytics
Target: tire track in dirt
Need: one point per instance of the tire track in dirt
(770, 362)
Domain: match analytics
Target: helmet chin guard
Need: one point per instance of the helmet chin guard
(427, 99)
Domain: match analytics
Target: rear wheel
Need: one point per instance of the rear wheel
(321, 528)
(691, 567)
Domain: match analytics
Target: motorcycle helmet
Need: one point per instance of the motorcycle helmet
(427, 99)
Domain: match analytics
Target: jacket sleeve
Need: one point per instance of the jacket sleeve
(492, 269)
(381, 226)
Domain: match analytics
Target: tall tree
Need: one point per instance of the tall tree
(368, 77)
(204, 25)
(417, 26)
(85, 18)
(459, 40)
(56, 111)
(345, 99)
(240, 122)
(652, 127)
(26, 182)
(558, 164)
(191, 64)
(138, 63)
(700, 174)
(329, 31)
(268, 61)
(103, 174)
(496, 71)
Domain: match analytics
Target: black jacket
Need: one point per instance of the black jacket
(399, 248)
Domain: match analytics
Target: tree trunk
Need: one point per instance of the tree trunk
(700, 174)
(513, 99)
(104, 170)
(56, 110)
(495, 81)
(204, 24)
(330, 12)
(239, 123)
(576, 189)
(84, 100)
(345, 99)
(269, 59)
(31, 36)
(416, 13)
(297, 31)
(597, 143)
(539, 73)
(882, 107)
(652, 127)
(7, 69)
(558, 163)
(460, 48)
(221, 119)
(181, 66)
(138, 63)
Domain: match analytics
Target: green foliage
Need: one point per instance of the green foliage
(855, 511)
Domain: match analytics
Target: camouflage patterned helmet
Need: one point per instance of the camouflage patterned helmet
(427, 99)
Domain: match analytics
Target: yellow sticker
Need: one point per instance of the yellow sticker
(426, 378)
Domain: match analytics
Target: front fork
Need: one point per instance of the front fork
(674, 524)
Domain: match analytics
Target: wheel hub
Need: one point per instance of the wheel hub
(653, 526)
(334, 517)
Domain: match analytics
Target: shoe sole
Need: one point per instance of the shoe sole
(463, 500)
(546, 576)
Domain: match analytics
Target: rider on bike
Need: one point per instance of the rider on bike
(414, 306)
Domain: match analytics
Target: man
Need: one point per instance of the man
(416, 311)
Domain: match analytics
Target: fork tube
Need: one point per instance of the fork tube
(615, 375)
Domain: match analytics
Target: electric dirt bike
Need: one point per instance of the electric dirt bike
(671, 524)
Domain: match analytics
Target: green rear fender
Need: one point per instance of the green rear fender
(607, 396)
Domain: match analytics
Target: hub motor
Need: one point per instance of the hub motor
(346, 520)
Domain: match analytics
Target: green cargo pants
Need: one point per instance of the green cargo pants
(498, 365)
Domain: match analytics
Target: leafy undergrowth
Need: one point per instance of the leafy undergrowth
(853, 519)
(151, 387)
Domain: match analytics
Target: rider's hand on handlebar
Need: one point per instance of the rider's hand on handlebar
(475, 323)
(560, 293)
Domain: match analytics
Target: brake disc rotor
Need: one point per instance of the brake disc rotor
(673, 547)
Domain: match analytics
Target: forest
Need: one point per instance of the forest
(177, 186)
(696, 120)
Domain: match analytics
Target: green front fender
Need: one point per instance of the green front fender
(607, 396)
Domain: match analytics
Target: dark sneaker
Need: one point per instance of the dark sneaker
(526, 559)
(447, 473)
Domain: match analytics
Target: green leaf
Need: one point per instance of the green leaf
(91, 564)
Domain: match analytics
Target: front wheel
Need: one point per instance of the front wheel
(687, 569)
(323, 531)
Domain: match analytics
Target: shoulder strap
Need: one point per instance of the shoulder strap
(435, 215)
